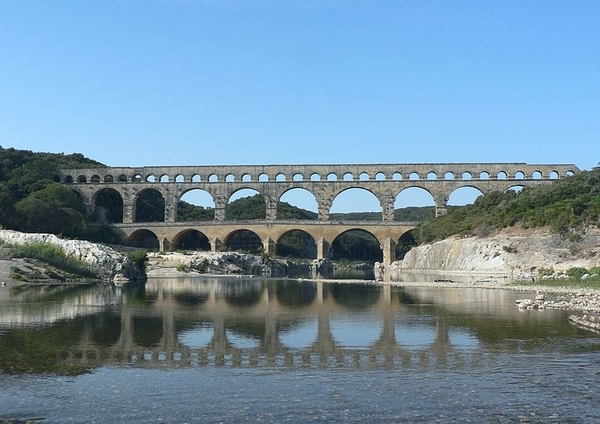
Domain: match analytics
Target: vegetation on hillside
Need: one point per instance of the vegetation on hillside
(564, 207)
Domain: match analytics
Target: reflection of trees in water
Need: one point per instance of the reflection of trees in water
(355, 296)
(296, 294)
(106, 328)
(191, 299)
(42, 349)
(147, 331)
(244, 293)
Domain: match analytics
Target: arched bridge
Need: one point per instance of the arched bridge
(324, 182)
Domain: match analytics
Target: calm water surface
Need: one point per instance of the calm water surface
(264, 350)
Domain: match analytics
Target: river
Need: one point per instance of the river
(208, 349)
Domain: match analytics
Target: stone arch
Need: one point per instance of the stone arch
(397, 176)
(230, 178)
(297, 244)
(196, 178)
(81, 179)
(348, 177)
(122, 178)
(164, 178)
(196, 205)
(364, 176)
(484, 175)
(315, 177)
(467, 176)
(280, 177)
(414, 176)
(254, 208)
(244, 241)
(348, 200)
(298, 177)
(519, 175)
(263, 178)
(191, 239)
(502, 175)
(95, 178)
(68, 179)
(332, 177)
(108, 178)
(143, 238)
(380, 176)
(357, 245)
(149, 206)
(414, 196)
(553, 175)
(179, 178)
(449, 175)
(432, 176)
(108, 206)
(151, 178)
(213, 178)
(464, 195)
(536, 175)
(246, 178)
(300, 198)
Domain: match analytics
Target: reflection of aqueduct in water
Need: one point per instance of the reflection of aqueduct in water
(324, 182)
(252, 323)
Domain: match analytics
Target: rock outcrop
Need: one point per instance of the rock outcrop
(514, 253)
(109, 264)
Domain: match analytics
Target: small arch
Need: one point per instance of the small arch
(553, 175)
(179, 178)
(246, 178)
(263, 178)
(69, 179)
(196, 178)
(298, 177)
(108, 178)
(122, 178)
(519, 175)
(348, 177)
(502, 176)
(464, 196)
(449, 175)
(380, 176)
(280, 177)
(229, 178)
(164, 178)
(332, 177)
(81, 179)
(397, 176)
(414, 176)
(569, 174)
(95, 178)
(467, 176)
(151, 178)
(432, 176)
(137, 178)
(315, 177)
(213, 178)
(537, 175)
(364, 177)
(484, 175)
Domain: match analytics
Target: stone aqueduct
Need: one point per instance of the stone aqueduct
(324, 182)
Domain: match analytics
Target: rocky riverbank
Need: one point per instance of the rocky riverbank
(106, 263)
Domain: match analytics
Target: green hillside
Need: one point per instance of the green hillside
(564, 207)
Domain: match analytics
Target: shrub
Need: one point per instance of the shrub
(576, 272)
(52, 255)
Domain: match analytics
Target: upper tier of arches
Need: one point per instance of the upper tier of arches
(295, 173)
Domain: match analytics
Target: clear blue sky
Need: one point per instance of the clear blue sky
(201, 82)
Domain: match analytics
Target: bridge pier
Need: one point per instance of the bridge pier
(389, 251)
(269, 246)
(215, 245)
(323, 247)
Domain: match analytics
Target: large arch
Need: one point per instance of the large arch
(356, 245)
(191, 239)
(246, 203)
(414, 203)
(356, 203)
(143, 238)
(108, 206)
(297, 203)
(244, 241)
(297, 244)
(149, 206)
(195, 205)
(464, 195)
